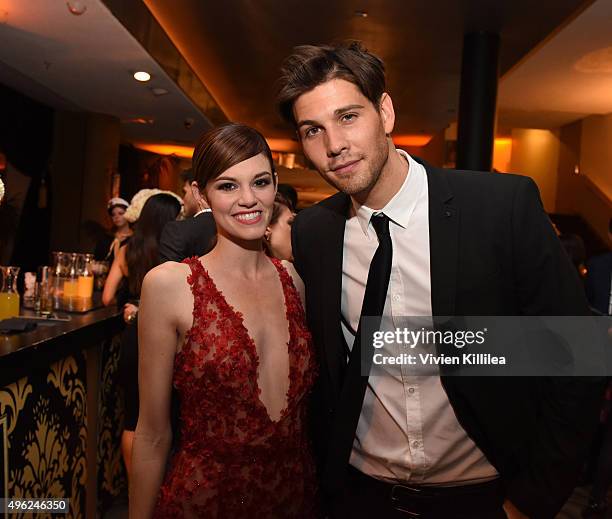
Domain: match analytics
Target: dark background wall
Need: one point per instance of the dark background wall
(84, 160)
(26, 136)
(68, 159)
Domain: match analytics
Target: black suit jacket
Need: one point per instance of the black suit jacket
(597, 283)
(186, 238)
(492, 252)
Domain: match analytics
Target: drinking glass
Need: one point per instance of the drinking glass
(9, 297)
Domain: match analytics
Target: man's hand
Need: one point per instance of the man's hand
(512, 512)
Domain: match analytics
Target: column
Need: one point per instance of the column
(477, 102)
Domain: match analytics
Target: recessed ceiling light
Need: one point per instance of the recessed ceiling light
(596, 62)
(142, 76)
(361, 14)
(158, 91)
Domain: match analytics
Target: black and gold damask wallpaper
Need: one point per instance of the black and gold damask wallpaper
(44, 434)
(47, 433)
(112, 480)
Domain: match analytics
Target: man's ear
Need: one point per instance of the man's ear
(387, 112)
(199, 196)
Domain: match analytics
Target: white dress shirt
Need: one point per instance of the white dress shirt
(407, 429)
(201, 211)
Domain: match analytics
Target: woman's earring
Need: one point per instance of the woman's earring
(267, 234)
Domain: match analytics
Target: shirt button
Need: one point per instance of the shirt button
(396, 297)
(411, 390)
(416, 443)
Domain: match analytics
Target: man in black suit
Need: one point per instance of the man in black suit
(414, 240)
(193, 236)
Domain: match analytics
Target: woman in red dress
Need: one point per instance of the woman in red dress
(228, 331)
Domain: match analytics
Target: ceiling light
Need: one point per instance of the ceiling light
(138, 120)
(361, 14)
(596, 62)
(76, 7)
(142, 76)
(159, 91)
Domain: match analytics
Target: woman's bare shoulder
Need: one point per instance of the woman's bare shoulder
(167, 276)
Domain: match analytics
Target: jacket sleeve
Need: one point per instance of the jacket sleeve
(547, 284)
(170, 244)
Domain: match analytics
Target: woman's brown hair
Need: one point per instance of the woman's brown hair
(225, 146)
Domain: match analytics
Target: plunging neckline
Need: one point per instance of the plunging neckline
(253, 347)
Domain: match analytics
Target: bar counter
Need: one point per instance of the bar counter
(60, 412)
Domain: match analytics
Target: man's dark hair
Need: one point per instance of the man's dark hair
(311, 65)
(288, 192)
(187, 175)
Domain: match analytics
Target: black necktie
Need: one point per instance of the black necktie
(355, 383)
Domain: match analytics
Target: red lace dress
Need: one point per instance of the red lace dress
(233, 460)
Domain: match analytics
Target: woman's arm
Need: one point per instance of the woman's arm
(157, 341)
(117, 271)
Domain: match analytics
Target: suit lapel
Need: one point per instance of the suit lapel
(443, 242)
(443, 245)
(332, 242)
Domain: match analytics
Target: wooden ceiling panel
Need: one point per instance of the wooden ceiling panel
(237, 46)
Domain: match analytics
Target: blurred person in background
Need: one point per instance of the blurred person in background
(193, 236)
(576, 251)
(290, 195)
(135, 258)
(277, 238)
(108, 247)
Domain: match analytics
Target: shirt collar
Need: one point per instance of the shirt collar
(207, 210)
(400, 207)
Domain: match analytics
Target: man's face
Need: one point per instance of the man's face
(190, 204)
(344, 135)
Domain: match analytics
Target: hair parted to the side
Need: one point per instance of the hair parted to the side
(225, 146)
(311, 65)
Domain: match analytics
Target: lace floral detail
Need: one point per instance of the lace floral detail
(233, 460)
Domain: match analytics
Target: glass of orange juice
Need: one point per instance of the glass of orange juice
(71, 280)
(9, 297)
(85, 281)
